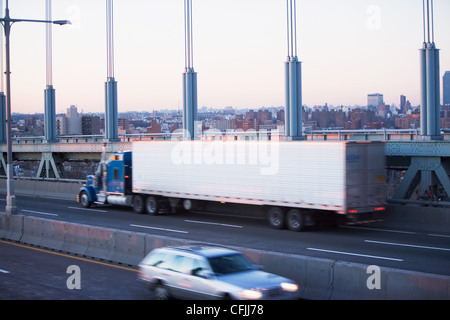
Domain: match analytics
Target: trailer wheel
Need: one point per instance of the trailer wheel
(295, 220)
(277, 218)
(187, 204)
(152, 205)
(138, 204)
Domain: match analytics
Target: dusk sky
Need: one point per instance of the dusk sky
(348, 49)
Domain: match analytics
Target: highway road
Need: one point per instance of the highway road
(29, 273)
(370, 244)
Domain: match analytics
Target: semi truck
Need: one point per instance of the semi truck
(295, 184)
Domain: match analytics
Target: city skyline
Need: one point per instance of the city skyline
(347, 52)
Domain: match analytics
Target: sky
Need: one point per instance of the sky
(348, 49)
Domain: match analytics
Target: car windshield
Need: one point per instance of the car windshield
(231, 263)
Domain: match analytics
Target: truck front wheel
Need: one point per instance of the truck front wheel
(277, 218)
(84, 199)
(138, 204)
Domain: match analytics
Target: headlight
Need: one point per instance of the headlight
(291, 287)
(250, 294)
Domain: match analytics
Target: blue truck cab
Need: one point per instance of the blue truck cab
(111, 183)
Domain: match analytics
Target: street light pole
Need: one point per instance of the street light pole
(7, 22)
(10, 196)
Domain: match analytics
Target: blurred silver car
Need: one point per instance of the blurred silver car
(208, 272)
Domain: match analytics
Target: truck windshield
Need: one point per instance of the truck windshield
(231, 263)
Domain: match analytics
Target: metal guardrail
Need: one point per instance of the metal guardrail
(370, 134)
(88, 138)
(326, 134)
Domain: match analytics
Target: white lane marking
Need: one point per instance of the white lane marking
(438, 235)
(214, 223)
(3, 271)
(355, 254)
(155, 228)
(377, 229)
(43, 213)
(407, 245)
(96, 210)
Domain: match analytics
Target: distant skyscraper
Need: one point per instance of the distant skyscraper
(73, 119)
(446, 88)
(374, 99)
(90, 125)
(402, 102)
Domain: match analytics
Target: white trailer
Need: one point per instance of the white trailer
(295, 181)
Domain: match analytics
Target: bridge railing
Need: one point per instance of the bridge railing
(369, 134)
(88, 138)
(317, 135)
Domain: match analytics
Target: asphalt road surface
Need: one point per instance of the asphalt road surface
(29, 273)
(370, 244)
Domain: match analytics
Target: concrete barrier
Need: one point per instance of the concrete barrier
(76, 239)
(5, 226)
(152, 242)
(420, 218)
(11, 227)
(53, 234)
(129, 247)
(101, 243)
(314, 274)
(318, 278)
(58, 189)
(415, 285)
(32, 230)
(350, 281)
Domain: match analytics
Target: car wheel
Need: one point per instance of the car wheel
(227, 296)
(161, 292)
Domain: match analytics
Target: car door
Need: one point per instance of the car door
(181, 286)
(164, 270)
(200, 279)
